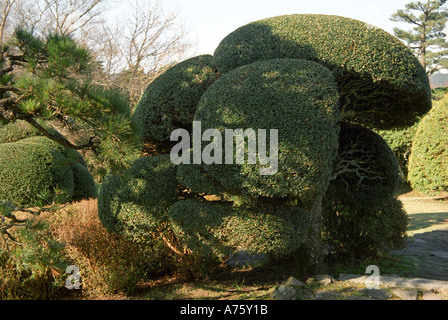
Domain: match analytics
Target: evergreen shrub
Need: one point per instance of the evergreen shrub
(298, 98)
(428, 164)
(375, 72)
(170, 100)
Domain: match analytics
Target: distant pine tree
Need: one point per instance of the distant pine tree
(427, 39)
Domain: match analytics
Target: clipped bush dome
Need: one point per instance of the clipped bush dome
(428, 164)
(298, 98)
(170, 100)
(136, 203)
(29, 172)
(215, 229)
(84, 184)
(375, 72)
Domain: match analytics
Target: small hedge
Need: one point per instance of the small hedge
(135, 204)
(298, 98)
(366, 173)
(30, 171)
(355, 234)
(428, 165)
(375, 72)
(84, 185)
(214, 230)
(170, 101)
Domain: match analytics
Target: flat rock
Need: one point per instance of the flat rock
(405, 294)
(429, 295)
(397, 282)
(440, 254)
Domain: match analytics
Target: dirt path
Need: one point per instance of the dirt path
(427, 245)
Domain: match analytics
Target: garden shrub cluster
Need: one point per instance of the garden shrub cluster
(325, 83)
(428, 164)
(38, 171)
(374, 71)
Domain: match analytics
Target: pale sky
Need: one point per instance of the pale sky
(209, 21)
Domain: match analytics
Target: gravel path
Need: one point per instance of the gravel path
(428, 243)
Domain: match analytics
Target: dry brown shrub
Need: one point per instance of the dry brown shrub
(108, 263)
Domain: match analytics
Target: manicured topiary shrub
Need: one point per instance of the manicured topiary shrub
(400, 141)
(375, 72)
(366, 173)
(170, 101)
(84, 185)
(214, 230)
(72, 156)
(355, 233)
(301, 75)
(298, 98)
(428, 165)
(30, 171)
(135, 204)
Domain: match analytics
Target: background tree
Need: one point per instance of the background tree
(136, 48)
(427, 39)
(133, 49)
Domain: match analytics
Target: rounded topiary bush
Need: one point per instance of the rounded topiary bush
(33, 174)
(135, 204)
(366, 173)
(428, 164)
(355, 233)
(375, 72)
(170, 100)
(84, 184)
(214, 230)
(400, 141)
(296, 97)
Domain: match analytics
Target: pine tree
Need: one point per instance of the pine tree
(427, 38)
(50, 79)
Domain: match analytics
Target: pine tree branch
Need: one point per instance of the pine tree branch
(59, 139)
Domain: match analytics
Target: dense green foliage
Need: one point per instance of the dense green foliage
(375, 72)
(324, 82)
(214, 230)
(84, 185)
(355, 233)
(428, 165)
(366, 173)
(34, 174)
(400, 141)
(298, 98)
(170, 100)
(135, 204)
(15, 131)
